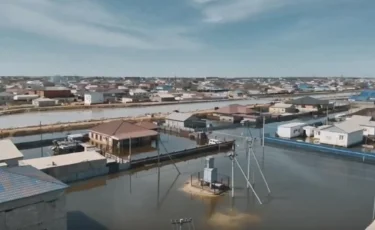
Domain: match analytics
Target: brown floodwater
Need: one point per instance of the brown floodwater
(309, 191)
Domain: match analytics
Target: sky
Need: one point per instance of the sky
(186, 38)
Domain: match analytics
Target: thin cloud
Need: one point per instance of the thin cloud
(225, 11)
(84, 22)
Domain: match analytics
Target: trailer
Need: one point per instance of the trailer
(291, 130)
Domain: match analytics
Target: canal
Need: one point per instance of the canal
(29, 119)
(309, 191)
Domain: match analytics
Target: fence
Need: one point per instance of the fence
(196, 180)
(335, 151)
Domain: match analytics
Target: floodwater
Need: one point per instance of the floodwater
(170, 143)
(309, 191)
(29, 119)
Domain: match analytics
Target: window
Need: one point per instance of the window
(341, 137)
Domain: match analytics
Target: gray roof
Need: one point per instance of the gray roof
(344, 127)
(22, 182)
(308, 101)
(179, 116)
(9, 151)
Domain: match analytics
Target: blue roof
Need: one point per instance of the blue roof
(25, 181)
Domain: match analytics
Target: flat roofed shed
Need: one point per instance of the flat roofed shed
(122, 130)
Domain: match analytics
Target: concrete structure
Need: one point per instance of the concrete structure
(183, 120)
(280, 108)
(5, 98)
(54, 92)
(43, 102)
(71, 167)
(344, 134)
(30, 199)
(9, 154)
(120, 136)
(291, 130)
(94, 98)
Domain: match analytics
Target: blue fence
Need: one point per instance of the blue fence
(335, 151)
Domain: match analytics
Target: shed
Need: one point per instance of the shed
(9, 153)
(343, 134)
(43, 102)
(309, 130)
(183, 120)
(30, 199)
(290, 130)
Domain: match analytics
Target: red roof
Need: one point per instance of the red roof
(123, 130)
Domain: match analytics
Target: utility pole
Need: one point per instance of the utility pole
(41, 139)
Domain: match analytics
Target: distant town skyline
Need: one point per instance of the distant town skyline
(187, 38)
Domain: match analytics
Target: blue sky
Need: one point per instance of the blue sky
(234, 38)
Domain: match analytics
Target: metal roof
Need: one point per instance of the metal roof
(179, 116)
(22, 182)
(123, 130)
(308, 101)
(9, 150)
(344, 127)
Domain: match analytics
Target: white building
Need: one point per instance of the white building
(344, 134)
(280, 108)
(94, 98)
(290, 130)
(30, 199)
(43, 102)
(139, 93)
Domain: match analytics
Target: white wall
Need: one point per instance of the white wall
(94, 98)
(355, 137)
(289, 132)
(175, 124)
(341, 139)
(333, 138)
(368, 131)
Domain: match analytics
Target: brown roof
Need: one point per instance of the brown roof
(147, 125)
(235, 108)
(123, 130)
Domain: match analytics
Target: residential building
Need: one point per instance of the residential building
(236, 94)
(234, 113)
(184, 120)
(43, 102)
(30, 199)
(281, 108)
(94, 98)
(119, 136)
(55, 92)
(344, 134)
(162, 97)
(5, 98)
(365, 95)
(309, 104)
(139, 93)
